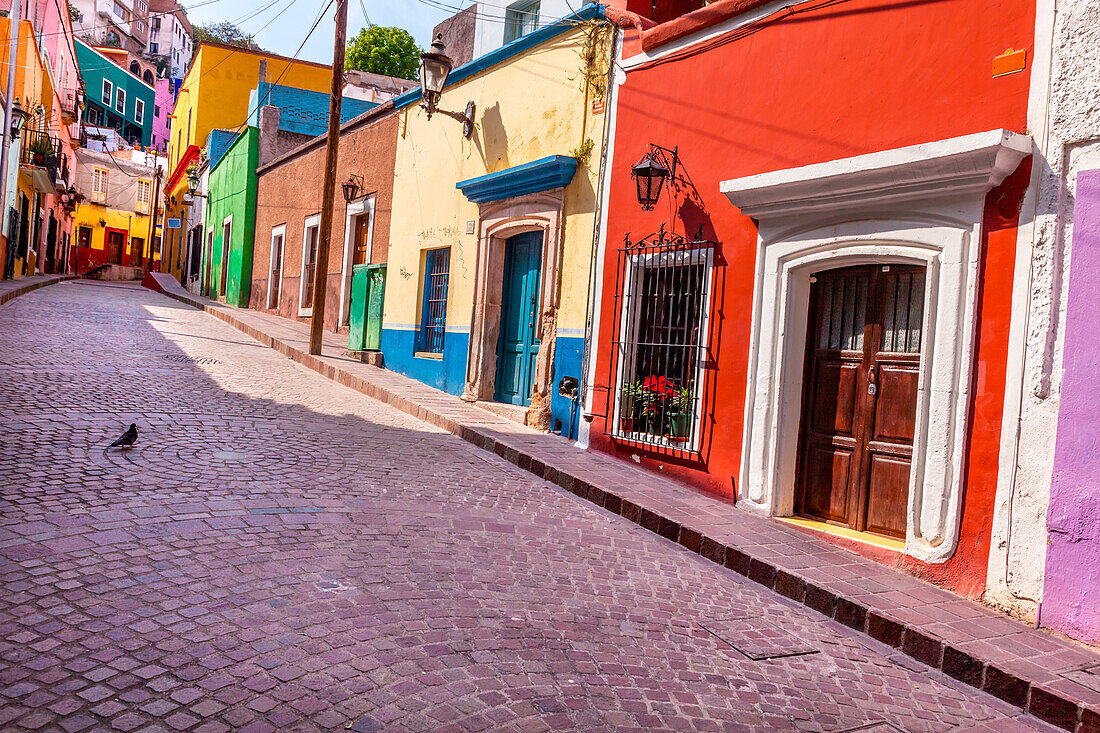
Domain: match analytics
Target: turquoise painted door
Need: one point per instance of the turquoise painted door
(518, 345)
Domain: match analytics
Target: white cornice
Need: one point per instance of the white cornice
(971, 164)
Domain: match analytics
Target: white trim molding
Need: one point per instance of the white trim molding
(920, 205)
(280, 232)
(355, 209)
(311, 222)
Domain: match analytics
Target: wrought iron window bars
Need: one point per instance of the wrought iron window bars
(663, 307)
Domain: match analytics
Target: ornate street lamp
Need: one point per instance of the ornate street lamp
(650, 172)
(435, 67)
(18, 117)
(351, 188)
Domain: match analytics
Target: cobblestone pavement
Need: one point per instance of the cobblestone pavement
(281, 553)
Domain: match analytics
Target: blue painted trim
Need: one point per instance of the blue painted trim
(447, 373)
(553, 171)
(516, 47)
(568, 355)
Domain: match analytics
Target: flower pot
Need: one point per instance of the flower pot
(679, 427)
(626, 414)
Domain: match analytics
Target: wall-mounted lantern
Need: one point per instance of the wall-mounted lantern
(103, 222)
(435, 67)
(351, 188)
(18, 117)
(650, 172)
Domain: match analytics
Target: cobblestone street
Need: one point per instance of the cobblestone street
(281, 553)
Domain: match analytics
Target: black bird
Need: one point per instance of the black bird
(128, 438)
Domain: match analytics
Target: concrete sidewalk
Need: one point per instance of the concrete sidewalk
(1055, 680)
(14, 288)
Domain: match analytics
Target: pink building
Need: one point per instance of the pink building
(162, 123)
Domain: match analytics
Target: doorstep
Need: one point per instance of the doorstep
(515, 413)
(1046, 676)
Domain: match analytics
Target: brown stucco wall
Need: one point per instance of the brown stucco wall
(290, 190)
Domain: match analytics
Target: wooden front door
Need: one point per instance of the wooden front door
(860, 396)
(518, 343)
(361, 255)
(116, 243)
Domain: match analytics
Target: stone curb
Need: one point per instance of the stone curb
(1040, 700)
(16, 292)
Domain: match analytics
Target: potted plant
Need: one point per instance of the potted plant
(40, 149)
(681, 407)
(661, 391)
(632, 404)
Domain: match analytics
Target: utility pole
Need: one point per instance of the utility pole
(153, 213)
(13, 58)
(320, 275)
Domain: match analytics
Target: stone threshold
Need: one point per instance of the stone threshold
(1052, 679)
(14, 288)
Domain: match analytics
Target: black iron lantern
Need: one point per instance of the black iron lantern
(193, 180)
(435, 66)
(649, 176)
(351, 188)
(18, 117)
(650, 172)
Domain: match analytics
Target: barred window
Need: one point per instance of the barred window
(433, 310)
(664, 294)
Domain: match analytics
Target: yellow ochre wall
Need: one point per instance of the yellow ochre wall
(528, 107)
(136, 225)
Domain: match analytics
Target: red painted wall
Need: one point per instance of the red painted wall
(821, 81)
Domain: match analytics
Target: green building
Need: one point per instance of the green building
(116, 98)
(231, 219)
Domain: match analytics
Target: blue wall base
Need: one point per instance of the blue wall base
(447, 374)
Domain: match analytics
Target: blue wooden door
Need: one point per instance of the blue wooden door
(518, 345)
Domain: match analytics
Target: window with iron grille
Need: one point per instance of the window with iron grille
(663, 302)
(433, 310)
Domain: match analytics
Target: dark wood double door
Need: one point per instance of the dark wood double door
(859, 397)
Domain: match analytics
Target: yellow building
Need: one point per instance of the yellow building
(113, 224)
(491, 236)
(215, 94)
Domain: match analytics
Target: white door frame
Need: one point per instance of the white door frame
(311, 222)
(277, 231)
(226, 222)
(364, 206)
(922, 204)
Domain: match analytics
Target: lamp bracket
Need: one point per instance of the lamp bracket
(662, 156)
(466, 118)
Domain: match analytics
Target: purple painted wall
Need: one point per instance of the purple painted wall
(164, 103)
(1071, 592)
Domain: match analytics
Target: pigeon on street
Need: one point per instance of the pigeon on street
(128, 438)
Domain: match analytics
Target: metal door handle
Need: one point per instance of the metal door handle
(872, 386)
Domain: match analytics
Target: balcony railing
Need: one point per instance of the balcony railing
(41, 150)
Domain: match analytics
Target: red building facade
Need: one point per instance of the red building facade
(813, 318)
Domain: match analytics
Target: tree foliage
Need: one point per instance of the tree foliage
(224, 32)
(384, 50)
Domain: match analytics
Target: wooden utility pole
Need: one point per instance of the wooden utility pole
(153, 214)
(320, 274)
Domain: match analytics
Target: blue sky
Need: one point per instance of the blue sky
(288, 21)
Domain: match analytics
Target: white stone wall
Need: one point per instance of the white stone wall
(1064, 120)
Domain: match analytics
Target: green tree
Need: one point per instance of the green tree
(225, 33)
(383, 50)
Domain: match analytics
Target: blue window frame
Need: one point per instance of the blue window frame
(433, 309)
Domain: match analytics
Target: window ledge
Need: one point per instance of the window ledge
(428, 355)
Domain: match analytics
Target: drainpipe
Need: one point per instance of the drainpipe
(5, 144)
(594, 263)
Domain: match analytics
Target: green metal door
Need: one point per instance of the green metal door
(357, 314)
(377, 283)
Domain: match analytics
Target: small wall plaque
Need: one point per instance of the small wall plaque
(470, 227)
(1009, 62)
